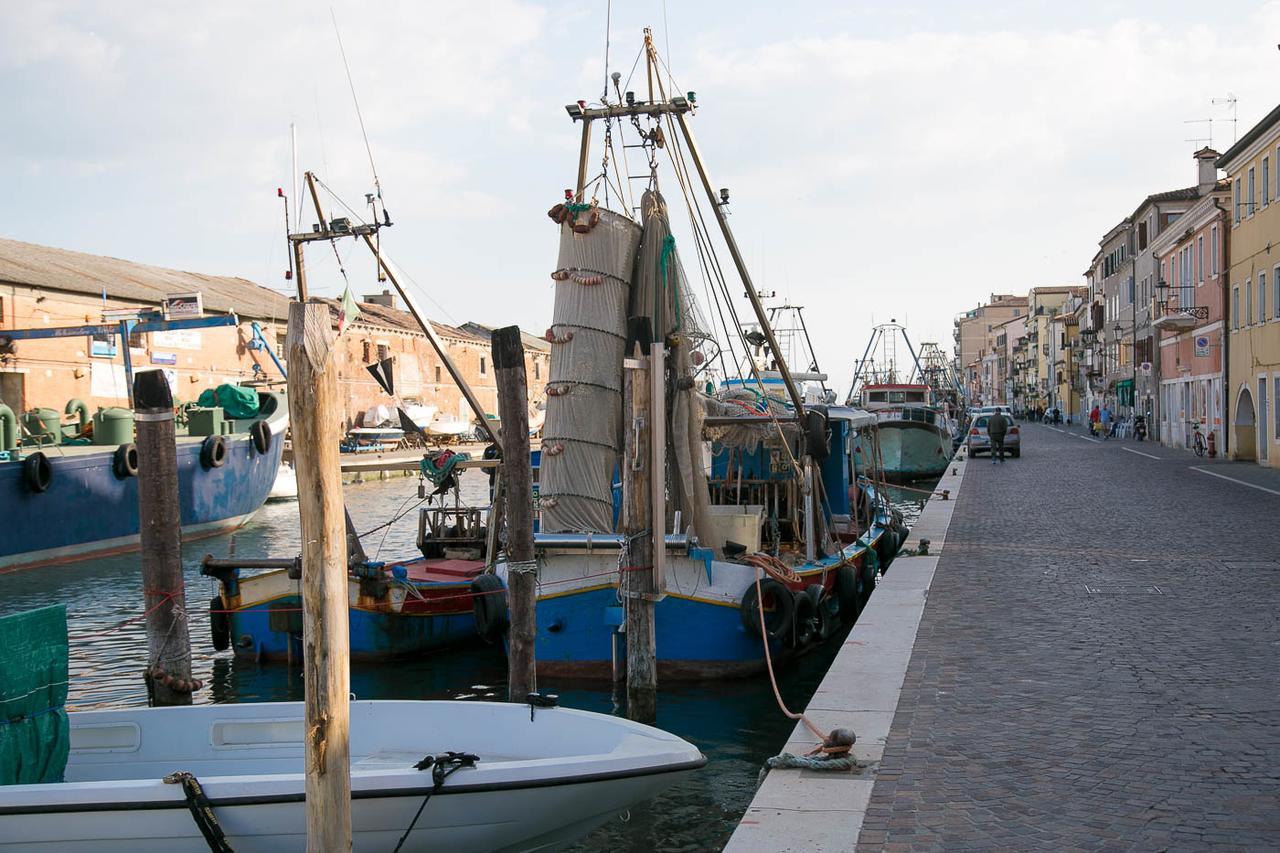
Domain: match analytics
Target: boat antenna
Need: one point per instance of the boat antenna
(377, 185)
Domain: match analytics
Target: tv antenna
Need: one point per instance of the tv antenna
(1198, 139)
(1231, 102)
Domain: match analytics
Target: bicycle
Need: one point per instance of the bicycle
(1197, 439)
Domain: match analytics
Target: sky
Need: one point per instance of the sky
(886, 160)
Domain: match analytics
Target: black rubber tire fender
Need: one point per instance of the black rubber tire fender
(37, 472)
(124, 462)
(219, 624)
(804, 621)
(847, 592)
(777, 621)
(213, 451)
(868, 583)
(261, 435)
(489, 606)
(815, 433)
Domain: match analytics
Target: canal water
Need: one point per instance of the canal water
(735, 723)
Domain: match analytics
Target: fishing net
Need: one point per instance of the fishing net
(35, 736)
(584, 387)
(660, 292)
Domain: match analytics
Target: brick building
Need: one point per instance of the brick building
(43, 287)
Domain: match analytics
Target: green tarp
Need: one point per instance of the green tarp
(235, 401)
(35, 736)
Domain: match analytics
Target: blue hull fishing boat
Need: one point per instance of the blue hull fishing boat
(765, 533)
(70, 501)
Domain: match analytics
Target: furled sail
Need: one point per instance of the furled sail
(581, 435)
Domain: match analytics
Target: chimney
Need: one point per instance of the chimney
(1206, 169)
(386, 299)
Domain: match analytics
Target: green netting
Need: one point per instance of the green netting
(237, 402)
(35, 736)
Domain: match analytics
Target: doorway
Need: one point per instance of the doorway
(13, 391)
(1244, 426)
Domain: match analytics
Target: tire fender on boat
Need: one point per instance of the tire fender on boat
(213, 451)
(261, 435)
(805, 621)
(37, 472)
(847, 591)
(124, 462)
(817, 444)
(489, 605)
(219, 624)
(777, 621)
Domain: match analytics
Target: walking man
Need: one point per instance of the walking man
(997, 426)
(1104, 421)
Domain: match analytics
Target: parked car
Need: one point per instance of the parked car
(977, 440)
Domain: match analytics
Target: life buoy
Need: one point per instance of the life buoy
(847, 592)
(219, 624)
(261, 435)
(213, 451)
(489, 606)
(779, 608)
(37, 472)
(804, 622)
(124, 462)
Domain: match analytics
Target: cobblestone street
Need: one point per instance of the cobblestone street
(1097, 663)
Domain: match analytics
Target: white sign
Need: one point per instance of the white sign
(1202, 346)
(184, 305)
(176, 339)
(108, 381)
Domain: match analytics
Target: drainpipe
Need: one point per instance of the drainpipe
(8, 428)
(1225, 273)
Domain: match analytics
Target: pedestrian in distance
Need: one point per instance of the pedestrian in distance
(997, 426)
(1104, 421)
(1095, 415)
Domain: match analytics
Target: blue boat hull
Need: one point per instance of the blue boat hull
(374, 635)
(87, 510)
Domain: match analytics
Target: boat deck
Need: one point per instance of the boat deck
(443, 570)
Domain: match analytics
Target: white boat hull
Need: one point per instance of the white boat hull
(539, 784)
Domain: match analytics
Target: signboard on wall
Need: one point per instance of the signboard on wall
(109, 381)
(176, 339)
(181, 306)
(164, 358)
(1202, 346)
(102, 345)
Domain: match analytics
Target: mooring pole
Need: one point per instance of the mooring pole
(315, 411)
(168, 676)
(638, 483)
(517, 475)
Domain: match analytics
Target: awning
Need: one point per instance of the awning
(1124, 392)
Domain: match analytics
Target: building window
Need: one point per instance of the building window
(383, 352)
(537, 369)
(1236, 205)
(1248, 302)
(1200, 259)
(368, 351)
(483, 372)
(1235, 309)
(1275, 298)
(137, 340)
(1252, 197)
(1213, 250)
(1276, 384)
(1262, 297)
(1266, 181)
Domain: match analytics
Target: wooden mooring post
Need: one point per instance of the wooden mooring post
(315, 413)
(517, 476)
(155, 457)
(638, 475)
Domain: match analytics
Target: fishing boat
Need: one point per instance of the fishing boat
(780, 524)
(917, 430)
(457, 776)
(398, 609)
(68, 498)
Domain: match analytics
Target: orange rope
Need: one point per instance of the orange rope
(768, 663)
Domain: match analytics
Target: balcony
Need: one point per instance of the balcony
(1174, 318)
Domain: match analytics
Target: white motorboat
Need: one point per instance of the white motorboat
(447, 426)
(543, 778)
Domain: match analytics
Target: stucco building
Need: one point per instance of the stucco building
(1252, 167)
